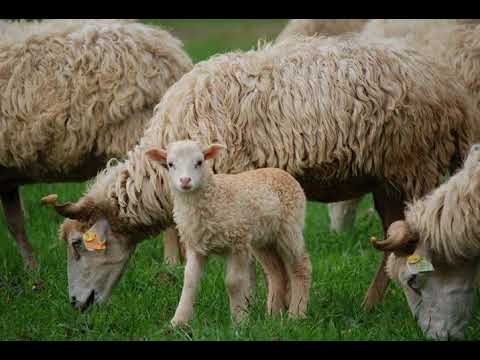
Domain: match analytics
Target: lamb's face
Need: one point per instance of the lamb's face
(186, 163)
(441, 300)
(97, 258)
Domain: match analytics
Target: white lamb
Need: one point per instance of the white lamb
(262, 211)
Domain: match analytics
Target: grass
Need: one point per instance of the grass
(145, 299)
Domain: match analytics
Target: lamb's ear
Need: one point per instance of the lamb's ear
(159, 155)
(212, 151)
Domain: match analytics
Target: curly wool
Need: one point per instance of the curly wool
(311, 27)
(448, 219)
(454, 42)
(257, 208)
(343, 108)
(75, 98)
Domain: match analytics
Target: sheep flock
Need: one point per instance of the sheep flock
(221, 156)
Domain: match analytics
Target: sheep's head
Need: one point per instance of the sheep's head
(440, 295)
(185, 161)
(97, 253)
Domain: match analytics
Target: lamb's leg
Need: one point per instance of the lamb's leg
(390, 210)
(192, 275)
(277, 279)
(343, 215)
(252, 276)
(172, 255)
(299, 272)
(237, 281)
(12, 207)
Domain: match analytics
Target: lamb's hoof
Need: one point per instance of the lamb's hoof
(179, 323)
(369, 304)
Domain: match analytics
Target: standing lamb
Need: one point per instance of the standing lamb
(260, 211)
(452, 42)
(73, 96)
(330, 27)
(344, 117)
(441, 233)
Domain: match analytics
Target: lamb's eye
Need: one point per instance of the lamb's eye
(199, 163)
(170, 164)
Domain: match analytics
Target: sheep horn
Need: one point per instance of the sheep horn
(400, 238)
(78, 211)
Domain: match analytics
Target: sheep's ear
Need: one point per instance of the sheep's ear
(212, 151)
(159, 155)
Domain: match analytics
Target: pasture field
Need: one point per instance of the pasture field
(144, 301)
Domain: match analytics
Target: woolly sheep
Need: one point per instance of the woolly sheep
(259, 210)
(74, 95)
(441, 229)
(309, 27)
(452, 42)
(344, 117)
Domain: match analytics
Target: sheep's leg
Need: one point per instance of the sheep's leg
(343, 215)
(172, 254)
(252, 276)
(12, 207)
(277, 279)
(390, 210)
(192, 275)
(237, 281)
(299, 271)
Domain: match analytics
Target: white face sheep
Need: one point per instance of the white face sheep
(343, 117)
(258, 210)
(75, 93)
(441, 233)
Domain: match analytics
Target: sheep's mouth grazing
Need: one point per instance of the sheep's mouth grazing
(90, 300)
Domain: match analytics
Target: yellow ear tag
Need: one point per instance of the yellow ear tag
(413, 259)
(418, 264)
(92, 241)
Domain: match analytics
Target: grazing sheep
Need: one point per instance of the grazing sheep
(311, 27)
(73, 96)
(261, 210)
(443, 229)
(452, 42)
(344, 117)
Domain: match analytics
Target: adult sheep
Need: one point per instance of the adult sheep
(452, 42)
(344, 116)
(73, 96)
(330, 27)
(436, 252)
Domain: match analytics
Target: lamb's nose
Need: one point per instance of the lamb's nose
(73, 300)
(185, 181)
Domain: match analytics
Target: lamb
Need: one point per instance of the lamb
(441, 233)
(260, 211)
(311, 27)
(74, 95)
(452, 42)
(343, 116)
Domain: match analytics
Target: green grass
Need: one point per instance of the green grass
(145, 300)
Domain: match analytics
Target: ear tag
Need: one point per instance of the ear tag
(418, 264)
(92, 241)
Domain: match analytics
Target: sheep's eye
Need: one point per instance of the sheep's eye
(413, 284)
(199, 163)
(77, 244)
(170, 164)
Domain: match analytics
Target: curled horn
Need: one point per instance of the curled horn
(400, 239)
(78, 211)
